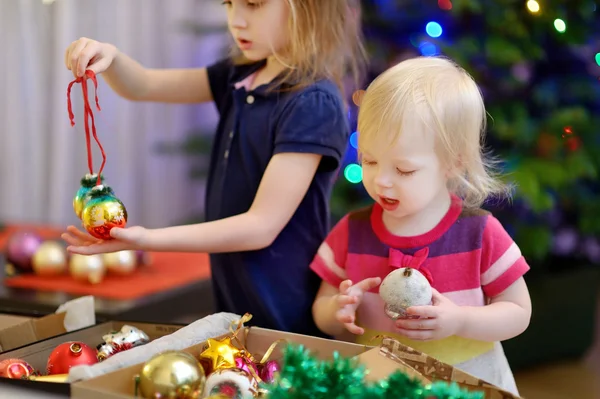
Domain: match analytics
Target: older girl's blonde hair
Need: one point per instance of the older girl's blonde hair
(448, 102)
(325, 42)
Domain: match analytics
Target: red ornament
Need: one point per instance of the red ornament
(70, 354)
(15, 369)
(268, 370)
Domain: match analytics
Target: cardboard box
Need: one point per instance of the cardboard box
(37, 354)
(392, 355)
(120, 384)
(17, 331)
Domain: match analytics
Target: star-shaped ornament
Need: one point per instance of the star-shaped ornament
(221, 353)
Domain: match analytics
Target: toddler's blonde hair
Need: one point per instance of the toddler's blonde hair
(448, 102)
(325, 42)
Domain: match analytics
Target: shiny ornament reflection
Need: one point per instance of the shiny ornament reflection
(89, 268)
(121, 262)
(102, 212)
(172, 374)
(50, 259)
(86, 184)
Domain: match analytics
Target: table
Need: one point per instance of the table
(189, 302)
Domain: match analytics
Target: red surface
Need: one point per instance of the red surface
(166, 271)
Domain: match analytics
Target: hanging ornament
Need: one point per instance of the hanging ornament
(403, 288)
(268, 371)
(221, 353)
(50, 259)
(87, 183)
(121, 262)
(128, 337)
(15, 369)
(101, 210)
(232, 383)
(69, 354)
(20, 248)
(171, 374)
(88, 268)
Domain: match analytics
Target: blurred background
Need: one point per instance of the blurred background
(538, 65)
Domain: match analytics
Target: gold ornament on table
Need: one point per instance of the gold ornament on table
(121, 262)
(89, 268)
(171, 374)
(50, 259)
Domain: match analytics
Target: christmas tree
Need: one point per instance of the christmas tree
(537, 64)
(538, 67)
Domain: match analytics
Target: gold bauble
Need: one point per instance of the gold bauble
(121, 262)
(88, 268)
(172, 374)
(50, 259)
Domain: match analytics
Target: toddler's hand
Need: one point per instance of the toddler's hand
(349, 299)
(86, 53)
(440, 320)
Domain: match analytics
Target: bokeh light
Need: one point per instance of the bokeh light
(433, 29)
(560, 25)
(353, 173)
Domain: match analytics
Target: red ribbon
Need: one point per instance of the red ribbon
(87, 114)
(399, 259)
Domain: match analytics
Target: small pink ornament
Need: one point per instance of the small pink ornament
(245, 364)
(267, 372)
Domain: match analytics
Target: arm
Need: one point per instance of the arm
(132, 81)
(282, 188)
(507, 315)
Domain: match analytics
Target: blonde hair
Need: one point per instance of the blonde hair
(448, 102)
(324, 42)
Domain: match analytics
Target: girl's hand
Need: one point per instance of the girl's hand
(349, 299)
(89, 54)
(131, 238)
(440, 320)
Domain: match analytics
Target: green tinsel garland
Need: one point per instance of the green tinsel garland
(302, 376)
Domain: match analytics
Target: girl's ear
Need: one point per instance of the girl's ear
(357, 97)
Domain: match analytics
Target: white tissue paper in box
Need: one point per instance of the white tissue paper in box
(80, 313)
(195, 333)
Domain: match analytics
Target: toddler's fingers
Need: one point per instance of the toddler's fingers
(344, 300)
(354, 329)
(345, 285)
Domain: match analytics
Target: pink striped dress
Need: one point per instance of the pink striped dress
(469, 255)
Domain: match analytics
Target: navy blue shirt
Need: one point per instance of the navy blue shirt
(274, 284)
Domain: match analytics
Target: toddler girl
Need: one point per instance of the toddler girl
(420, 125)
